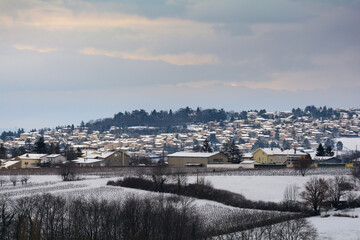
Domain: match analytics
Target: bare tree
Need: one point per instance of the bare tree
(2, 180)
(315, 193)
(24, 179)
(180, 179)
(160, 175)
(13, 179)
(6, 216)
(302, 165)
(355, 172)
(67, 171)
(291, 194)
(338, 187)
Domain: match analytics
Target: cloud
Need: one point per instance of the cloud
(33, 48)
(59, 18)
(200, 84)
(142, 54)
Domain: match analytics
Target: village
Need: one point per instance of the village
(266, 139)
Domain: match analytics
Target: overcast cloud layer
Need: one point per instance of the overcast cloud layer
(63, 61)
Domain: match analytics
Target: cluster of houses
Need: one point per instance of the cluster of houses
(112, 149)
(262, 157)
(267, 157)
(89, 158)
(274, 128)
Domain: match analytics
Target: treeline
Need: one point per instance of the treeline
(167, 120)
(161, 119)
(11, 134)
(314, 112)
(172, 218)
(55, 217)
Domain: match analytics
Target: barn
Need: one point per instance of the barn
(196, 159)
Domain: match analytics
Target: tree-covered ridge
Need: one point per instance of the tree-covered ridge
(168, 119)
(161, 119)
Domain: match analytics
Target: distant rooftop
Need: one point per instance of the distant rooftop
(192, 154)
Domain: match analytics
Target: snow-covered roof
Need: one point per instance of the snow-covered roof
(247, 155)
(278, 151)
(247, 162)
(323, 158)
(86, 160)
(10, 163)
(106, 154)
(193, 154)
(34, 156)
(53, 155)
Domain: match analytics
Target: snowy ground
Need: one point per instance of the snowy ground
(266, 188)
(349, 143)
(89, 187)
(338, 228)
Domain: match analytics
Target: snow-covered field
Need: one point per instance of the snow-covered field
(349, 143)
(338, 228)
(265, 188)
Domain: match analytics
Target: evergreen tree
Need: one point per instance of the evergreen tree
(40, 146)
(78, 152)
(3, 152)
(339, 146)
(274, 145)
(57, 148)
(51, 149)
(286, 144)
(306, 144)
(329, 143)
(206, 147)
(320, 151)
(231, 150)
(329, 152)
(70, 154)
(18, 152)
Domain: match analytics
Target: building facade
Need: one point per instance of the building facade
(193, 159)
(277, 155)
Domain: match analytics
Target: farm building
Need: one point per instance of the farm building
(247, 164)
(189, 159)
(30, 160)
(277, 155)
(55, 159)
(108, 158)
(11, 164)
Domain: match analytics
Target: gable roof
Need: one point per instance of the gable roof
(193, 154)
(9, 163)
(278, 151)
(32, 156)
(86, 160)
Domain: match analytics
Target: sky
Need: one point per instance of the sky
(64, 61)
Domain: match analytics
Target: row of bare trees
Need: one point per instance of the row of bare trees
(55, 217)
(320, 193)
(296, 229)
(14, 179)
